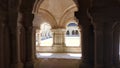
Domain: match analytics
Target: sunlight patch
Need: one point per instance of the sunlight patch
(45, 54)
(75, 55)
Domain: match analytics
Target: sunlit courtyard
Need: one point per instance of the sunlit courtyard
(69, 41)
(72, 41)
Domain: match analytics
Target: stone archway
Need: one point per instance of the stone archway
(46, 7)
(73, 39)
(43, 17)
(27, 18)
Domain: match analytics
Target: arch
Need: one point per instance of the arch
(45, 39)
(73, 37)
(36, 6)
(66, 13)
(39, 2)
(70, 8)
(44, 14)
(68, 33)
(76, 2)
(67, 21)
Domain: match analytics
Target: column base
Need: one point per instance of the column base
(17, 65)
(58, 48)
(32, 64)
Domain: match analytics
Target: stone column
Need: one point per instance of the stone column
(119, 41)
(30, 39)
(99, 42)
(70, 33)
(1, 44)
(2, 23)
(58, 40)
(38, 35)
(22, 44)
(87, 40)
(30, 47)
(108, 44)
(15, 47)
(103, 45)
(116, 45)
(4, 42)
(34, 41)
(14, 29)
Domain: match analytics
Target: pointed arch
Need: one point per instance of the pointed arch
(45, 15)
(66, 13)
(37, 5)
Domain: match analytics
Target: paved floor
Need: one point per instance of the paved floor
(59, 60)
(59, 55)
(59, 63)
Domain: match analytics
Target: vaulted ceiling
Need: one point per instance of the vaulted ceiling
(55, 12)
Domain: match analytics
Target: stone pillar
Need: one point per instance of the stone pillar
(30, 47)
(87, 40)
(108, 44)
(30, 37)
(14, 29)
(22, 44)
(70, 33)
(15, 47)
(38, 36)
(1, 44)
(58, 40)
(99, 42)
(34, 41)
(119, 41)
(4, 44)
(103, 45)
(116, 45)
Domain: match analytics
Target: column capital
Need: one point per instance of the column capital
(98, 26)
(81, 14)
(104, 25)
(105, 12)
(59, 30)
(84, 18)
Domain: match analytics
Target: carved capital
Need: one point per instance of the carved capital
(58, 30)
(99, 26)
(105, 12)
(83, 18)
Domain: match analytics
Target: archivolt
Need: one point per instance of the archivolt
(44, 14)
(37, 5)
(65, 15)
